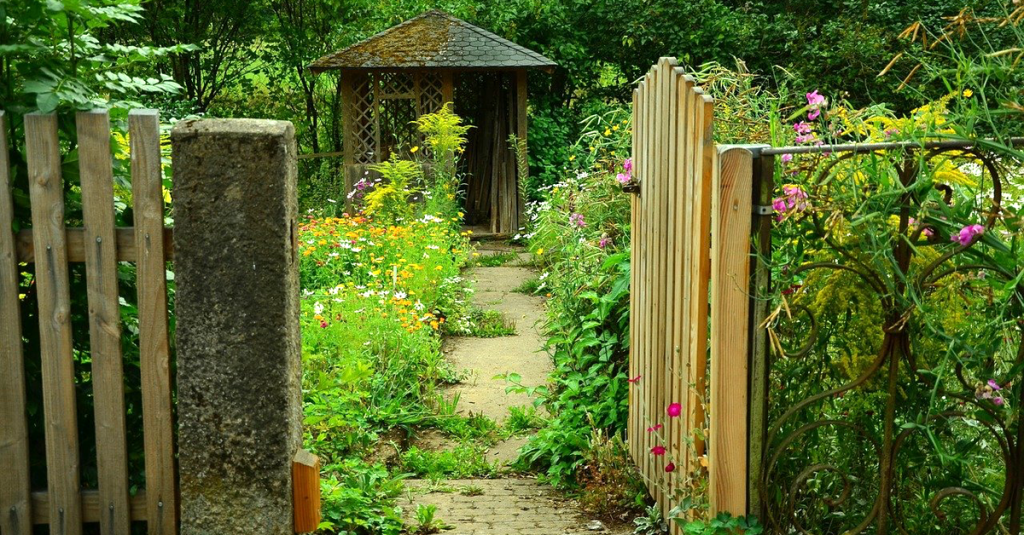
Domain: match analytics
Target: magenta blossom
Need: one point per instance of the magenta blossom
(634, 380)
(674, 410)
(787, 158)
(813, 114)
(323, 324)
(654, 428)
(577, 220)
(658, 450)
(670, 467)
(604, 242)
(623, 178)
(802, 128)
(994, 385)
(627, 165)
(794, 199)
(804, 138)
(967, 234)
(814, 99)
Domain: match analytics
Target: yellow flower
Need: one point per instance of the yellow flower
(968, 93)
(607, 132)
(540, 251)
(414, 149)
(572, 157)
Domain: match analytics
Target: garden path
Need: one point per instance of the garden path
(513, 504)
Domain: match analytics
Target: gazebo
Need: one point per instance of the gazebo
(390, 79)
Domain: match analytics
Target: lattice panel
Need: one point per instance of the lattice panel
(365, 123)
(396, 85)
(430, 93)
(397, 133)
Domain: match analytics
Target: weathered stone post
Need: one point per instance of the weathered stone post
(237, 302)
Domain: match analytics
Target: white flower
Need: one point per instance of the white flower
(356, 249)
(400, 295)
(419, 305)
(318, 308)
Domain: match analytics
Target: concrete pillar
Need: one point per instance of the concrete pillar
(237, 303)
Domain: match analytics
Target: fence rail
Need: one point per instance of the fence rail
(64, 505)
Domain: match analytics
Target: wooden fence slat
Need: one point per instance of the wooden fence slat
(732, 200)
(673, 322)
(147, 192)
(698, 303)
(15, 511)
(634, 225)
(650, 174)
(97, 183)
(47, 199)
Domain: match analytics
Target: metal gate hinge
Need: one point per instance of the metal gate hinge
(760, 209)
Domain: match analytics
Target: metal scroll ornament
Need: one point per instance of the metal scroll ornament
(895, 381)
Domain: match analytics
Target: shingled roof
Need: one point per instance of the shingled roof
(433, 39)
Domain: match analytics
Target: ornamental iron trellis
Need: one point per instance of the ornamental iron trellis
(910, 437)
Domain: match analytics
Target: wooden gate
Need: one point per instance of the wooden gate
(64, 505)
(689, 321)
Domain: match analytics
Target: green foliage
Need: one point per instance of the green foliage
(723, 524)
(53, 56)
(427, 521)
(389, 200)
(494, 260)
(464, 461)
(358, 498)
(578, 235)
(651, 523)
(522, 420)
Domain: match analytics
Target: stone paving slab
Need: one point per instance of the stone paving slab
(499, 507)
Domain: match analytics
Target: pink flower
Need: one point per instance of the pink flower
(670, 467)
(674, 410)
(658, 450)
(994, 385)
(323, 324)
(928, 232)
(654, 428)
(813, 114)
(998, 401)
(804, 138)
(802, 128)
(634, 380)
(967, 234)
(627, 165)
(604, 242)
(577, 219)
(623, 178)
(814, 99)
(787, 158)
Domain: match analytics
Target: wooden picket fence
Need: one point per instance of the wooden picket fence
(65, 505)
(691, 228)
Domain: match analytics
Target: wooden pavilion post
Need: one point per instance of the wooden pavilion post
(522, 171)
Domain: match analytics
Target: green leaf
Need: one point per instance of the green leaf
(47, 102)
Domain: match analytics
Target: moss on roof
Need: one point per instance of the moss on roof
(433, 39)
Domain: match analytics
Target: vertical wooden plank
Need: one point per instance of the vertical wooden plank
(350, 134)
(662, 272)
(15, 491)
(675, 387)
(47, 194)
(147, 192)
(681, 308)
(447, 87)
(522, 175)
(632, 437)
(650, 193)
(698, 302)
(764, 174)
(97, 182)
(731, 210)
